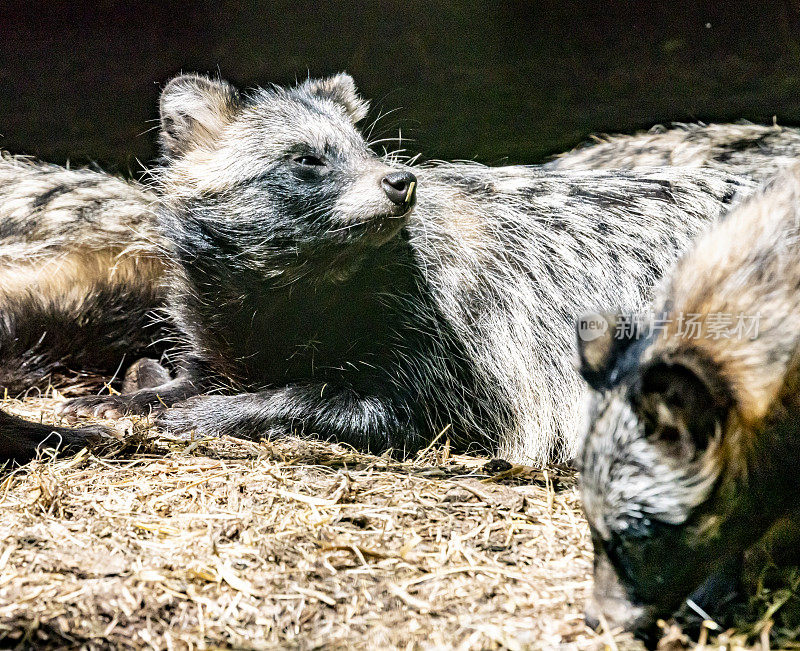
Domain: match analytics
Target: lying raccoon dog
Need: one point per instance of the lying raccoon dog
(79, 275)
(310, 294)
(313, 296)
(694, 437)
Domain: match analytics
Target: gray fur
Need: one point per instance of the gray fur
(77, 253)
(547, 247)
(47, 208)
(753, 150)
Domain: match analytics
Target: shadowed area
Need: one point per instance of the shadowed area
(513, 81)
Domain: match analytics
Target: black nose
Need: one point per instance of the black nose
(400, 187)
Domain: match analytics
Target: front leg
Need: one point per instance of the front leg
(367, 422)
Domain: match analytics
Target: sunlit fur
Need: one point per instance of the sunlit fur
(723, 147)
(513, 255)
(668, 512)
(79, 277)
(468, 309)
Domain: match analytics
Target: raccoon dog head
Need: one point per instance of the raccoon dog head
(278, 177)
(651, 474)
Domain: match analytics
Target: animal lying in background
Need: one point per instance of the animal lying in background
(694, 438)
(79, 276)
(751, 150)
(308, 296)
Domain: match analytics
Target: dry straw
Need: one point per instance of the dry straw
(226, 543)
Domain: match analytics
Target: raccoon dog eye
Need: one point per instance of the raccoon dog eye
(309, 161)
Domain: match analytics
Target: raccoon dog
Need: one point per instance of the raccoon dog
(318, 288)
(694, 438)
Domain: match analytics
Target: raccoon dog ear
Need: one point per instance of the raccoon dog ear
(602, 339)
(194, 109)
(684, 402)
(340, 89)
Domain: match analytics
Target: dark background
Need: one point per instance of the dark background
(497, 82)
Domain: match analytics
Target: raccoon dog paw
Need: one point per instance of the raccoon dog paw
(143, 402)
(202, 415)
(145, 373)
(108, 406)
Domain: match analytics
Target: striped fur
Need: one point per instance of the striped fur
(753, 150)
(79, 276)
(78, 272)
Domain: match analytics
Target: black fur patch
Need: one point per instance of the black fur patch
(42, 201)
(41, 336)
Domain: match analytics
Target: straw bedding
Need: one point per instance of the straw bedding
(167, 544)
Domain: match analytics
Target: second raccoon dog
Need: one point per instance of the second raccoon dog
(311, 297)
(78, 274)
(694, 438)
